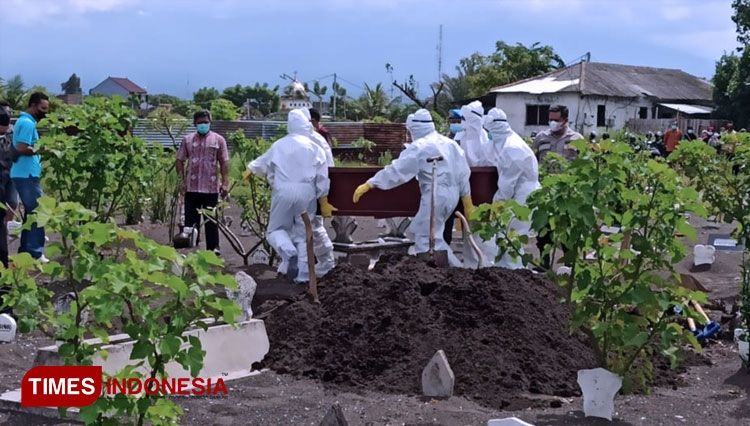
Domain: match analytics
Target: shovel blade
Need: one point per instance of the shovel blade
(438, 258)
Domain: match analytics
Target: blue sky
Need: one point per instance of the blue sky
(176, 47)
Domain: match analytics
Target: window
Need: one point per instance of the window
(601, 116)
(643, 112)
(537, 115)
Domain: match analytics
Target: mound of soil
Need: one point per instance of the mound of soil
(504, 332)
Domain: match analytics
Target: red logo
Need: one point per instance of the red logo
(58, 386)
(55, 386)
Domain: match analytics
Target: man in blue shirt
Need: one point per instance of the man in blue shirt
(26, 171)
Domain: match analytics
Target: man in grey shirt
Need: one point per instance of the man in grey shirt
(555, 139)
(558, 136)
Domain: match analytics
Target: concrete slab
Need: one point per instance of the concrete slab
(724, 242)
(508, 421)
(230, 351)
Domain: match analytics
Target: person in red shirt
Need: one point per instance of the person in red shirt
(315, 119)
(672, 137)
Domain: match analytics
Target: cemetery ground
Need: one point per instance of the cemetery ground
(711, 389)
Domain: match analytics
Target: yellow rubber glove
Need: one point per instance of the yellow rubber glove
(468, 206)
(360, 191)
(326, 209)
(246, 175)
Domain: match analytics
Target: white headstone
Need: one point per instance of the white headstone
(508, 421)
(599, 387)
(7, 328)
(743, 346)
(704, 255)
(244, 294)
(259, 256)
(564, 270)
(437, 377)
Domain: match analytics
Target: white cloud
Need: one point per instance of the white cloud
(33, 12)
(675, 13)
(708, 44)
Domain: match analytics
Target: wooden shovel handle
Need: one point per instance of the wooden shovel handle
(701, 311)
(310, 257)
(470, 238)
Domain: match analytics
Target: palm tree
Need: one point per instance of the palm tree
(319, 91)
(374, 101)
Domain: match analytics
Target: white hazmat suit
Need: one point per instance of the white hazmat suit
(474, 140)
(297, 170)
(517, 169)
(451, 176)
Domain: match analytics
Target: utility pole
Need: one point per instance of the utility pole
(440, 53)
(335, 95)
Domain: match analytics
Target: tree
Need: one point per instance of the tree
(409, 89)
(222, 109)
(741, 18)
(176, 105)
(374, 102)
(319, 91)
(732, 77)
(507, 64)
(72, 86)
(204, 96)
(263, 99)
(340, 99)
(14, 92)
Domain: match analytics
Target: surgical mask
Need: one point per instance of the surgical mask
(203, 128)
(554, 125)
(456, 127)
(674, 127)
(690, 131)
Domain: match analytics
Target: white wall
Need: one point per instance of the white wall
(582, 111)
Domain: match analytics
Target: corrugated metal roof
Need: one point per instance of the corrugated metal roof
(689, 109)
(390, 136)
(617, 80)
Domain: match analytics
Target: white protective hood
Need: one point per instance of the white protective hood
(420, 124)
(474, 141)
(298, 122)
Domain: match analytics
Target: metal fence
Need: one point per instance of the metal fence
(640, 125)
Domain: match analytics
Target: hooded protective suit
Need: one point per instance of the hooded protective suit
(451, 175)
(322, 245)
(297, 171)
(517, 169)
(474, 140)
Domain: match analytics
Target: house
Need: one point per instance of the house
(119, 86)
(604, 96)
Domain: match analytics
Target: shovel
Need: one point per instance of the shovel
(187, 235)
(467, 236)
(310, 257)
(440, 257)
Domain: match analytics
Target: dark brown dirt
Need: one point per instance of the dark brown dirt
(505, 333)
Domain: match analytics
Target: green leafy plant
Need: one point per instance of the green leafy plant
(724, 182)
(364, 145)
(385, 158)
(254, 197)
(616, 295)
(90, 157)
(222, 109)
(119, 279)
